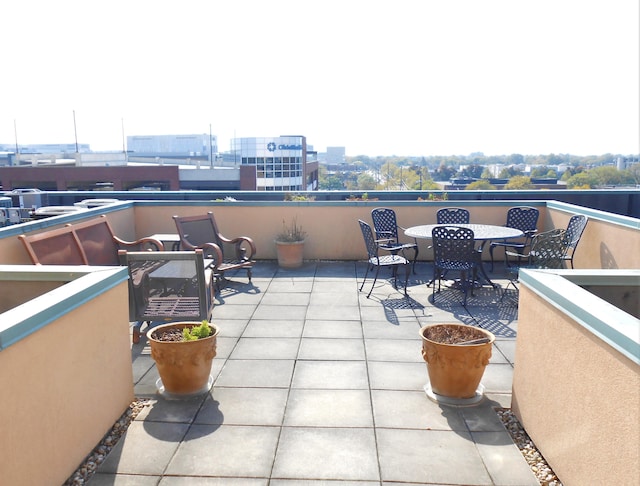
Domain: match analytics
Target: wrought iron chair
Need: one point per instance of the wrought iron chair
(202, 232)
(374, 259)
(525, 219)
(547, 251)
(386, 228)
(575, 228)
(454, 251)
(167, 286)
(452, 216)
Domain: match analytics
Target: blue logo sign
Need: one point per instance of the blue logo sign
(271, 147)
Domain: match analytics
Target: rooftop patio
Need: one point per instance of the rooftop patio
(313, 381)
(285, 408)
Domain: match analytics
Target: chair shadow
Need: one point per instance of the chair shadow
(229, 288)
(486, 309)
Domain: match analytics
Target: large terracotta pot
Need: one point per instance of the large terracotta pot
(456, 357)
(290, 253)
(184, 367)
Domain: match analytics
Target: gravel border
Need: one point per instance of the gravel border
(97, 456)
(536, 462)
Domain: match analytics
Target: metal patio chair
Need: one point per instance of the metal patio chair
(454, 251)
(547, 251)
(575, 228)
(166, 286)
(386, 227)
(525, 219)
(374, 260)
(228, 254)
(452, 216)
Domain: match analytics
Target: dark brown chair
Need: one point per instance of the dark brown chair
(167, 286)
(201, 232)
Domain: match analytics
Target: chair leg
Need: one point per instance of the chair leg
(406, 277)
(375, 278)
(366, 273)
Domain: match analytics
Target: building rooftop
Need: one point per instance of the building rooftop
(316, 384)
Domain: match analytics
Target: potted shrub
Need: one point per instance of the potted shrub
(456, 356)
(290, 244)
(184, 352)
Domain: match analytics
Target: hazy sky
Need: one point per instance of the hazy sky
(404, 77)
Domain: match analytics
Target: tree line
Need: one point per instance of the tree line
(365, 173)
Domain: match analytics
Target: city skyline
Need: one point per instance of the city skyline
(412, 78)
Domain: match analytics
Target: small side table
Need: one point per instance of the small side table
(169, 240)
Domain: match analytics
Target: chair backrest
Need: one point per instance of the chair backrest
(452, 244)
(369, 241)
(385, 223)
(575, 228)
(198, 230)
(524, 218)
(452, 216)
(167, 285)
(96, 238)
(548, 249)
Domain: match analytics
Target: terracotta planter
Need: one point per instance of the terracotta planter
(455, 370)
(184, 367)
(290, 254)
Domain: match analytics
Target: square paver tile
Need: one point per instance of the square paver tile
(329, 408)
(503, 459)
(275, 328)
(326, 453)
(280, 312)
(332, 329)
(347, 375)
(146, 448)
(407, 350)
(327, 312)
(226, 450)
(243, 406)
(266, 348)
(331, 349)
(261, 373)
(413, 410)
(430, 456)
(388, 375)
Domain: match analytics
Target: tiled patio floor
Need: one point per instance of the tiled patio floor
(317, 385)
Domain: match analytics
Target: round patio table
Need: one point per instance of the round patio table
(481, 232)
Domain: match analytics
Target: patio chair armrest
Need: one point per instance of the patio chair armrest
(241, 251)
(212, 252)
(142, 243)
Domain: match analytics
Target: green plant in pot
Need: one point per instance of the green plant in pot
(290, 244)
(184, 352)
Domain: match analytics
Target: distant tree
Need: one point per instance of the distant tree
(473, 171)
(610, 176)
(539, 171)
(481, 185)
(519, 182)
(331, 183)
(366, 182)
(509, 172)
(515, 159)
(444, 173)
(486, 173)
(582, 180)
(634, 173)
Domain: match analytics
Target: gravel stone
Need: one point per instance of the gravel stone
(538, 464)
(91, 463)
